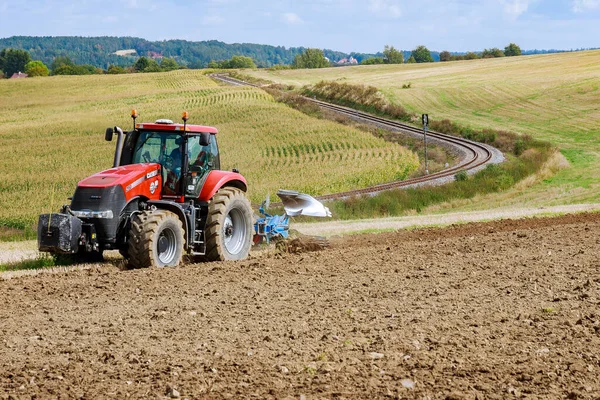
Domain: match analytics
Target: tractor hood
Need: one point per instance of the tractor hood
(135, 180)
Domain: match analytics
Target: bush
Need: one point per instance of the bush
(373, 61)
(366, 98)
(461, 176)
(519, 146)
(36, 68)
(115, 69)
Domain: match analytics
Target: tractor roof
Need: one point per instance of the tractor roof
(162, 126)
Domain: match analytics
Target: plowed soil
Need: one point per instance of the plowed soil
(493, 310)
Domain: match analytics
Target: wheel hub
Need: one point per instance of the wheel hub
(234, 229)
(163, 244)
(167, 246)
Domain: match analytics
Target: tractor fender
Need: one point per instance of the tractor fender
(218, 179)
(179, 211)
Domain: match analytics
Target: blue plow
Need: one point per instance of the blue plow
(271, 227)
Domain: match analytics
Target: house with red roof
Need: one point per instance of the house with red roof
(18, 75)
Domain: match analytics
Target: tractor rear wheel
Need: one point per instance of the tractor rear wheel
(155, 240)
(229, 228)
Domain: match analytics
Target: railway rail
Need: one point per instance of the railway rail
(476, 155)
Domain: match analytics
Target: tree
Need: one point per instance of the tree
(311, 58)
(213, 64)
(492, 53)
(36, 68)
(141, 64)
(372, 61)
(238, 62)
(411, 60)
(392, 56)
(445, 56)
(152, 66)
(512, 50)
(168, 64)
(61, 61)
(115, 69)
(422, 55)
(84, 69)
(471, 56)
(13, 60)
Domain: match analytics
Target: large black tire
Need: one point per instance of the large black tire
(155, 240)
(229, 228)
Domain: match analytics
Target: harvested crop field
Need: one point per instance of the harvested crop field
(492, 310)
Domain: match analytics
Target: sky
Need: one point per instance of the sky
(343, 25)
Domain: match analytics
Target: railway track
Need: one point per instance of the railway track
(476, 155)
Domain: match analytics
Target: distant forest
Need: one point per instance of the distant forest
(100, 51)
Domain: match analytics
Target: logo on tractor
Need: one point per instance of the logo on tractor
(153, 186)
(152, 174)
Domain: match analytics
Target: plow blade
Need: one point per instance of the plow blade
(296, 203)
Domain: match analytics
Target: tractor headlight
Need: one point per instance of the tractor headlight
(108, 214)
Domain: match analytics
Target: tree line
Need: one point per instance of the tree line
(14, 61)
(101, 52)
(18, 60)
(511, 50)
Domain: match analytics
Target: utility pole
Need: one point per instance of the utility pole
(425, 119)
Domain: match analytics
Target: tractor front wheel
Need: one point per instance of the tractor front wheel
(229, 228)
(155, 240)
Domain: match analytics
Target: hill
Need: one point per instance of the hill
(552, 97)
(52, 136)
(102, 51)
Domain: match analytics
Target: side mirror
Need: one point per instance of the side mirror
(109, 134)
(204, 139)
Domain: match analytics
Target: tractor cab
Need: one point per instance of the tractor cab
(186, 154)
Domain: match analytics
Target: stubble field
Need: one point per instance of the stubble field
(552, 97)
(51, 136)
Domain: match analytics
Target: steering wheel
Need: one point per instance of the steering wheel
(201, 159)
(146, 157)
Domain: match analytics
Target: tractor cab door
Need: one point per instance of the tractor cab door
(202, 160)
(164, 148)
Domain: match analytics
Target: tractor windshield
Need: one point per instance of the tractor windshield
(163, 148)
(155, 147)
(166, 149)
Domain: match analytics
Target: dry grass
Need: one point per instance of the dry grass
(550, 97)
(51, 136)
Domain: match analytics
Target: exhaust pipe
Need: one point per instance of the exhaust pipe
(119, 149)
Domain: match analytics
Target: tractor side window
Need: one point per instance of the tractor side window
(148, 148)
(214, 153)
(173, 150)
(199, 156)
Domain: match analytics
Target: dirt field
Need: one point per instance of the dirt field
(495, 310)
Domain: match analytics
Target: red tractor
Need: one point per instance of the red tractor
(164, 197)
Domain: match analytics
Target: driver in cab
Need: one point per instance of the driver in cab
(197, 158)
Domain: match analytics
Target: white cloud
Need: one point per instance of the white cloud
(292, 18)
(585, 5)
(514, 8)
(385, 8)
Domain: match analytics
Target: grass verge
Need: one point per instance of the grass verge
(16, 229)
(40, 262)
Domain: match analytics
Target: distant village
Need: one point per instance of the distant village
(347, 61)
